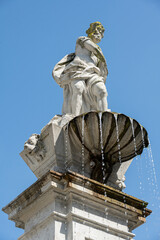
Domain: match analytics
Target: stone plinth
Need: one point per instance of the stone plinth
(70, 206)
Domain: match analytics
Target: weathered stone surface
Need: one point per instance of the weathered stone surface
(62, 144)
(34, 146)
(83, 75)
(71, 206)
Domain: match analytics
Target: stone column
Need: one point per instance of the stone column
(73, 207)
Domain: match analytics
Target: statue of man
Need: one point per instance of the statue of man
(82, 74)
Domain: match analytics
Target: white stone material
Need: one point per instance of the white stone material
(60, 207)
(53, 141)
(34, 146)
(117, 176)
(83, 75)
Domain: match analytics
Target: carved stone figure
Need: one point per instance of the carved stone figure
(82, 74)
(34, 146)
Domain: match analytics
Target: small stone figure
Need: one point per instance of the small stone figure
(82, 74)
(34, 146)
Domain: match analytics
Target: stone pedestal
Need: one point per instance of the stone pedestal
(73, 207)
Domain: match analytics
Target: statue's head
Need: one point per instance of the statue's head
(95, 32)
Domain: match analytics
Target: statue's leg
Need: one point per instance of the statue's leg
(77, 89)
(99, 90)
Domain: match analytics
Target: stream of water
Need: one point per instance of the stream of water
(118, 144)
(147, 178)
(103, 166)
(83, 157)
(66, 169)
(152, 178)
(83, 165)
(66, 148)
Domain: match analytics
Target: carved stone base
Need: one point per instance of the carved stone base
(73, 207)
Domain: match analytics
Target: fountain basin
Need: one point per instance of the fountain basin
(109, 135)
(130, 143)
(82, 143)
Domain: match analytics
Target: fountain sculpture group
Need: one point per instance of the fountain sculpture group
(87, 140)
(107, 138)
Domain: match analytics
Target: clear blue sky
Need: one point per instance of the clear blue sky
(34, 35)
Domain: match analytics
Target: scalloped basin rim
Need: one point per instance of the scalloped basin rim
(111, 151)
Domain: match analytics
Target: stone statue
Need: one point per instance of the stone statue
(82, 74)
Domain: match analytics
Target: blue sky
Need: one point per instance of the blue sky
(35, 35)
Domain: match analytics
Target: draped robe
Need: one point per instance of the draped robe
(74, 67)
